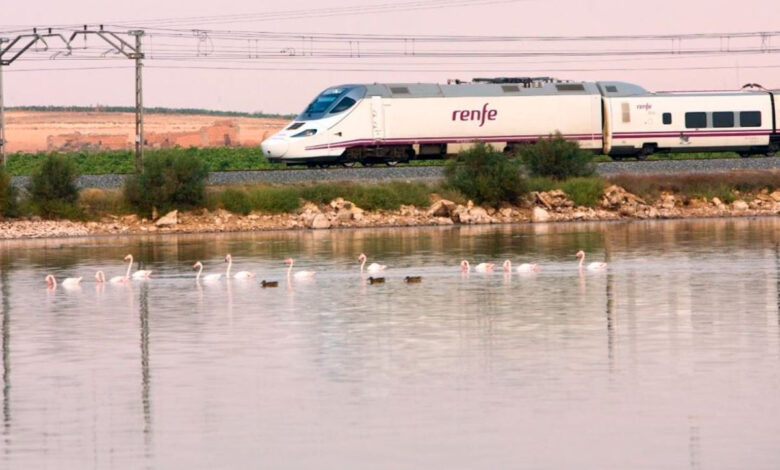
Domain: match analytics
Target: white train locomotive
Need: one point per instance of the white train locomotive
(391, 123)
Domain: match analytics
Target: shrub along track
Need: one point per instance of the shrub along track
(433, 173)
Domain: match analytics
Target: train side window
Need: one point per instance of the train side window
(723, 119)
(343, 105)
(667, 118)
(750, 119)
(695, 120)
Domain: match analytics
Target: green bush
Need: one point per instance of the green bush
(584, 191)
(557, 158)
(385, 196)
(169, 180)
(324, 193)
(236, 201)
(53, 191)
(542, 183)
(275, 199)
(486, 176)
(9, 196)
(97, 202)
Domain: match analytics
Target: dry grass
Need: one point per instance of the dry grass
(726, 186)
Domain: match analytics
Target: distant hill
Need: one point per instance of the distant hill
(155, 110)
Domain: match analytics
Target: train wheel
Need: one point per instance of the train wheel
(744, 154)
(348, 164)
(367, 164)
(391, 162)
(324, 165)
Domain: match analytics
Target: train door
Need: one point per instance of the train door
(377, 118)
(606, 123)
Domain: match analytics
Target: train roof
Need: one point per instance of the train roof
(502, 87)
(528, 87)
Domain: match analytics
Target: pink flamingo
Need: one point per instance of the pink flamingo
(484, 268)
(594, 266)
(480, 268)
(51, 282)
(238, 275)
(523, 268)
(373, 267)
(100, 277)
(208, 277)
(298, 274)
(141, 273)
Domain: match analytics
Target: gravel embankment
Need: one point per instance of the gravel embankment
(432, 173)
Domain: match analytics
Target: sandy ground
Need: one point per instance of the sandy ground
(40, 131)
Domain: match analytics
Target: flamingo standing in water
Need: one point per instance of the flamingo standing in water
(208, 277)
(298, 274)
(594, 266)
(238, 275)
(51, 282)
(141, 273)
(372, 268)
(100, 277)
(484, 268)
(523, 268)
(465, 267)
(480, 268)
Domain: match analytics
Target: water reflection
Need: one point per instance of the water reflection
(6, 305)
(145, 381)
(669, 355)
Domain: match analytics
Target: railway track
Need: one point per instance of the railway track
(432, 173)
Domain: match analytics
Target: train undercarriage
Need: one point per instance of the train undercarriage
(393, 155)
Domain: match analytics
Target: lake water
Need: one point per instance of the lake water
(669, 359)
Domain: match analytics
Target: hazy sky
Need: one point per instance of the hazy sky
(287, 91)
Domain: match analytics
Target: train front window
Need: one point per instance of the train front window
(343, 105)
(333, 100)
(324, 101)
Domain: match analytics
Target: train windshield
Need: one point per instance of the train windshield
(332, 100)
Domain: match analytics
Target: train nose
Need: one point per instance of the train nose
(274, 148)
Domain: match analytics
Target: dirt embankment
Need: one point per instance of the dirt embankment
(550, 206)
(34, 131)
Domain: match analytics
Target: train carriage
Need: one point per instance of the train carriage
(643, 124)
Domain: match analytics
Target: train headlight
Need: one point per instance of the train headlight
(306, 133)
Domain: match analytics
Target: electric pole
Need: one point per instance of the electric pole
(19, 45)
(139, 101)
(2, 106)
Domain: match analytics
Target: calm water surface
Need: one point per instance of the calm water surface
(669, 359)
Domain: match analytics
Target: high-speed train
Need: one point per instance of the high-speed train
(391, 123)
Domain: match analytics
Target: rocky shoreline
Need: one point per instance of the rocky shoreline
(539, 207)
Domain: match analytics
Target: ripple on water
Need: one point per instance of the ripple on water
(669, 357)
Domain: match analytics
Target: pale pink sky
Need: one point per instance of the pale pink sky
(287, 91)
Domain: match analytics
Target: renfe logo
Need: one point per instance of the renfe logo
(475, 115)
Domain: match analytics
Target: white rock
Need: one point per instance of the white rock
(168, 220)
(540, 215)
(740, 205)
(320, 222)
